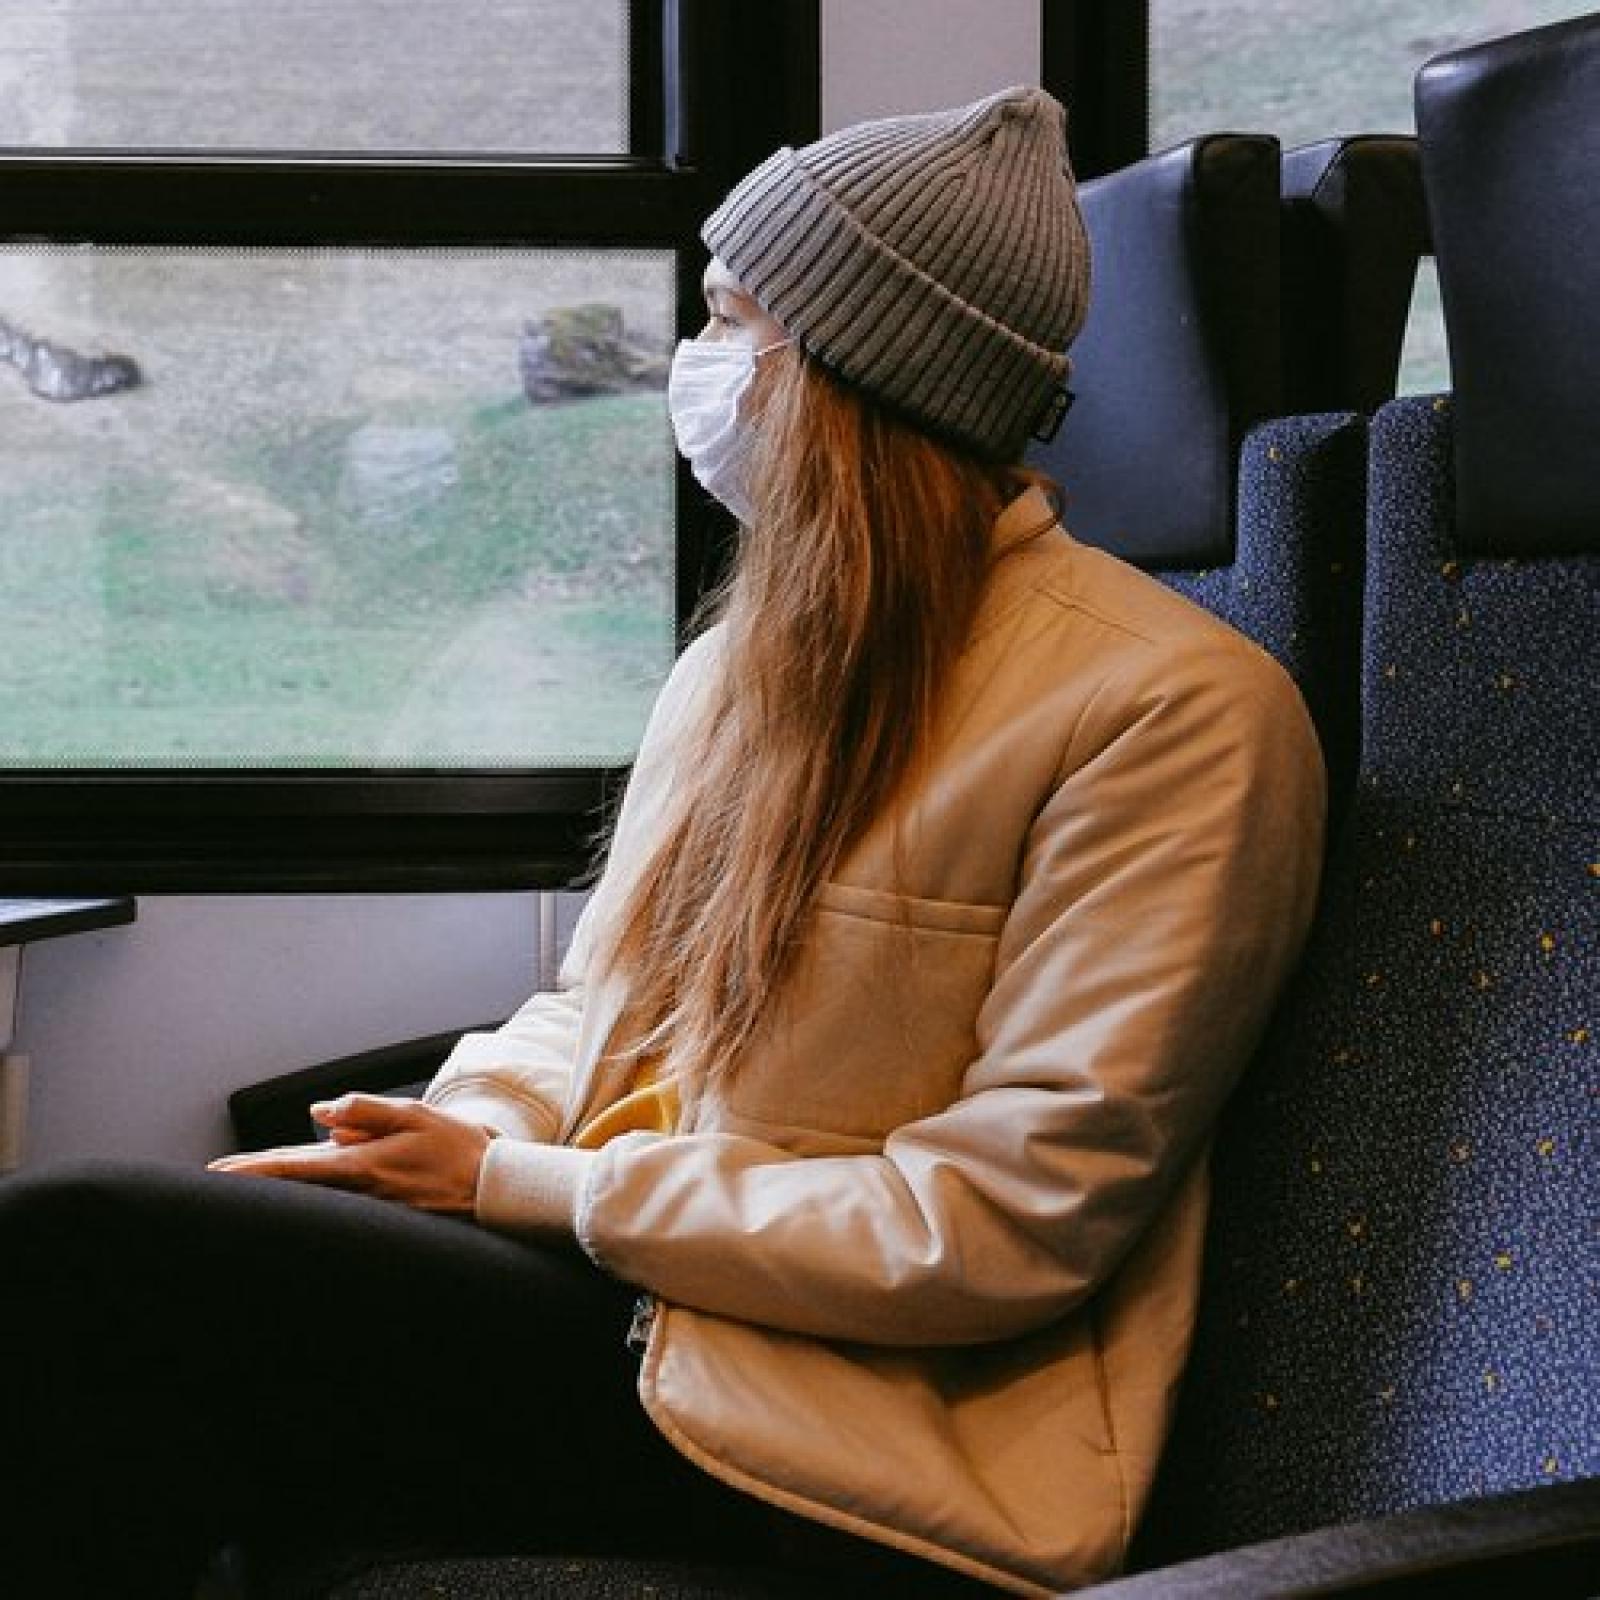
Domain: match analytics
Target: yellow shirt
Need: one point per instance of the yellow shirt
(650, 1106)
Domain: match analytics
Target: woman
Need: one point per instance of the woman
(957, 872)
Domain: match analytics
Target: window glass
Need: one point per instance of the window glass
(548, 76)
(1424, 357)
(402, 508)
(1305, 71)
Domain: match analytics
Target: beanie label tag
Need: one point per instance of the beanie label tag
(1055, 413)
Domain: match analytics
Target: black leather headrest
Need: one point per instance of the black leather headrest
(1354, 229)
(1180, 353)
(1510, 134)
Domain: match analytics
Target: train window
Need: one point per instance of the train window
(1304, 70)
(469, 75)
(342, 542)
(329, 507)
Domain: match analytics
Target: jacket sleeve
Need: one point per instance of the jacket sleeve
(514, 1080)
(1165, 889)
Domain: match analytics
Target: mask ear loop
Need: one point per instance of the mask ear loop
(755, 362)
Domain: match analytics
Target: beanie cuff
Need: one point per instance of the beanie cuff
(876, 318)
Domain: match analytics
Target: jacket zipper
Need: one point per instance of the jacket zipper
(637, 1338)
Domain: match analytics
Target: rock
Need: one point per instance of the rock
(389, 471)
(577, 352)
(54, 372)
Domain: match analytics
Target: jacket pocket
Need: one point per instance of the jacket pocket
(876, 1025)
(907, 910)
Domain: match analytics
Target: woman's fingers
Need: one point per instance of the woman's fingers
(310, 1163)
(370, 1114)
(397, 1150)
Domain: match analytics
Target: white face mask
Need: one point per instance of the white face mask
(705, 391)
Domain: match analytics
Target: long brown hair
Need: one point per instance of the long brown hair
(851, 595)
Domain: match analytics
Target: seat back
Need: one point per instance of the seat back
(1511, 148)
(1354, 229)
(1179, 355)
(1294, 582)
(1398, 1307)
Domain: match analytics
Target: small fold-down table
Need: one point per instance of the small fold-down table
(22, 922)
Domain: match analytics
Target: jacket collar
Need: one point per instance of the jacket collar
(1027, 538)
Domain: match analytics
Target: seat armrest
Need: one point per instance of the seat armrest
(276, 1112)
(1535, 1542)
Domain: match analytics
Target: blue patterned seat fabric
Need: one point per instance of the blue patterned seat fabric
(1401, 1306)
(1294, 584)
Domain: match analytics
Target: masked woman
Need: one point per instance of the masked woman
(957, 872)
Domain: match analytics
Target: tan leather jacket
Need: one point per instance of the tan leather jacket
(927, 1271)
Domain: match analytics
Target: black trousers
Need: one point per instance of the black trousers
(199, 1359)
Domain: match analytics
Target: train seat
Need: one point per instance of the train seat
(1399, 1304)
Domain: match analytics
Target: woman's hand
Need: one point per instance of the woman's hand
(398, 1150)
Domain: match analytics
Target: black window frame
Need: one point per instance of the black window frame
(1095, 58)
(715, 85)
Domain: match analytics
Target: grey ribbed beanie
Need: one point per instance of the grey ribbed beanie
(937, 261)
